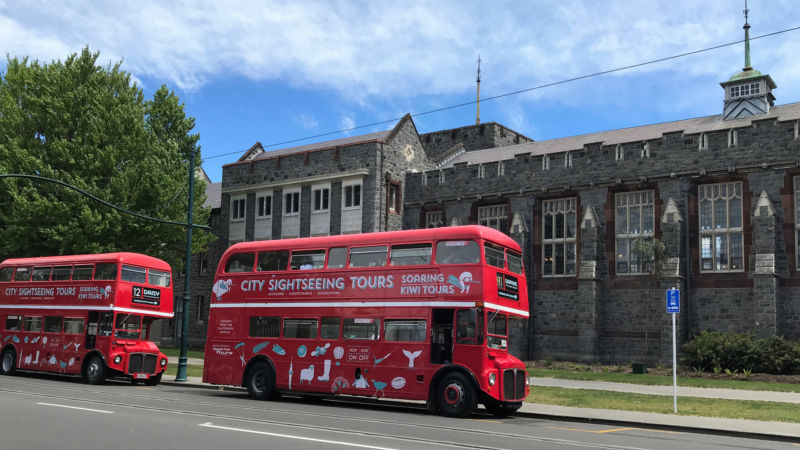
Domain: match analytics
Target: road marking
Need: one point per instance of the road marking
(75, 407)
(486, 420)
(289, 436)
(615, 429)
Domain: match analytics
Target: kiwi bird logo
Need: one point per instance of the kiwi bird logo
(462, 282)
(221, 287)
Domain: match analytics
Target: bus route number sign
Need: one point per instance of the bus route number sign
(145, 296)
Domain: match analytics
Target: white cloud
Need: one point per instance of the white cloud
(307, 122)
(375, 49)
(346, 123)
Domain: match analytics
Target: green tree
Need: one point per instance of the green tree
(91, 127)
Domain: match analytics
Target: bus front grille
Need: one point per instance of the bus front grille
(513, 384)
(142, 363)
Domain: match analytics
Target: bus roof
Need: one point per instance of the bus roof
(121, 257)
(385, 237)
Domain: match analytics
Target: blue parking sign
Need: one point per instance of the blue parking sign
(673, 301)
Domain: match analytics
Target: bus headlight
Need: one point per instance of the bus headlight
(492, 379)
(117, 359)
(163, 362)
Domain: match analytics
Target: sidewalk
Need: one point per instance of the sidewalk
(632, 418)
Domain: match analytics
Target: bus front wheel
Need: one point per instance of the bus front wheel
(456, 396)
(95, 371)
(8, 362)
(261, 381)
(154, 380)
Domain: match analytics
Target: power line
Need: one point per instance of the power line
(521, 91)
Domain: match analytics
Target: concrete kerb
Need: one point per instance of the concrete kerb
(775, 431)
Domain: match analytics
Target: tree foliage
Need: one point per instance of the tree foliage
(91, 127)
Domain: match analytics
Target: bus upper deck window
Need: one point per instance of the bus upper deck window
(514, 261)
(41, 273)
(105, 271)
(495, 256)
(6, 273)
(22, 274)
(61, 273)
(240, 262)
(83, 272)
(134, 274)
(368, 256)
(277, 260)
(457, 252)
(158, 278)
(308, 259)
(337, 257)
(410, 254)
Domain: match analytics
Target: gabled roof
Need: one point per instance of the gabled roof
(624, 135)
(257, 151)
(213, 195)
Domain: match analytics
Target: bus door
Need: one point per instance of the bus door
(98, 330)
(91, 329)
(442, 336)
(468, 332)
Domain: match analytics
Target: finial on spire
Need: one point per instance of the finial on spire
(746, 39)
(478, 112)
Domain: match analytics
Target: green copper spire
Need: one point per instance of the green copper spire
(746, 39)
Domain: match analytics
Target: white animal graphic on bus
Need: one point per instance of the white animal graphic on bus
(221, 287)
(307, 374)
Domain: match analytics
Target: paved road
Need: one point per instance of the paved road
(52, 412)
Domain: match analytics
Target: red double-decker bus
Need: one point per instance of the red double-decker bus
(89, 315)
(420, 314)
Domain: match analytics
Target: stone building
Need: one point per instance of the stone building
(722, 193)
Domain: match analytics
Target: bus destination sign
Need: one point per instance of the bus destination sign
(145, 295)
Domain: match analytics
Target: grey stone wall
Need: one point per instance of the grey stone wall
(473, 137)
(611, 317)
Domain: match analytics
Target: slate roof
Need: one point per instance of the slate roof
(379, 136)
(213, 195)
(624, 135)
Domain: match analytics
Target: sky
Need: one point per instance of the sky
(279, 71)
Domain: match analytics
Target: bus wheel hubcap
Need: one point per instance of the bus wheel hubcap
(453, 394)
(7, 362)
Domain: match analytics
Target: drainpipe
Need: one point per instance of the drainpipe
(381, 186)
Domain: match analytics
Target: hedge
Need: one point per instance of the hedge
(720, 351)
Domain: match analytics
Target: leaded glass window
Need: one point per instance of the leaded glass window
(634, 221)
(720, 224)
(558, 237)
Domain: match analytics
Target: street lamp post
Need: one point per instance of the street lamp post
(187, 296)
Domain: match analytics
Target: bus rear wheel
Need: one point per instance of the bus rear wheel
(8, 362)
(95, 371)
(260, 381)
(456, 395)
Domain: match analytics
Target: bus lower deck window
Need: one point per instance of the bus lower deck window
(330, 328)
(300, 328)
(366, 328)
(13, 323)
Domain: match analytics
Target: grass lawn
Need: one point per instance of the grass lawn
(176, 352)
(192, 370)
(662, 380)
(687, 406)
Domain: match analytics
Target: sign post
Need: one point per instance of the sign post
(674, 307)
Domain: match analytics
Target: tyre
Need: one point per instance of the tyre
(154, 380)
(260, 381)
(456, 395)
(95, 371)
(8, 362)
(501, 409)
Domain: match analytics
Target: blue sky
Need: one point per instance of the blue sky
(274, 71)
